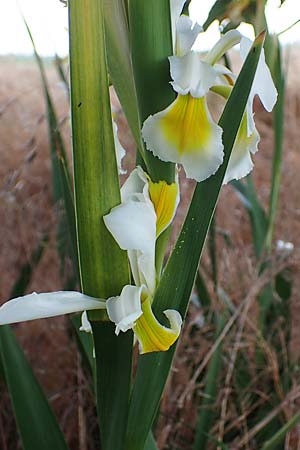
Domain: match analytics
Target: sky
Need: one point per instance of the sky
(48, 22)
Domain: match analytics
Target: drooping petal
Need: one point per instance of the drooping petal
(49, 304)
(133, 226)
(136, 186)
(85, 323)
(263, 84)
(191, 74)
(152, 336)
(240, 162)
(165, 198)
(125, 309)
(120, 151)
(186, 34)
(185, 133)
(225, 43)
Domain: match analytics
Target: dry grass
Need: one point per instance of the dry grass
(26, 214)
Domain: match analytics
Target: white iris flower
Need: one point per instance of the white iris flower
(146, 210)
(247, 140)
(185, 132)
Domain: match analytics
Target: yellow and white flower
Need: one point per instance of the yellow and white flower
(247, 140)
(185, 132)
(146, 210)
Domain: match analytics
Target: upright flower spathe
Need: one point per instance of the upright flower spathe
(185, 132)
(146, 210)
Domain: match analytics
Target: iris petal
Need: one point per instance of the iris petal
(125, 309)
(152, 336)
(165, 198)
(48, 304)
(185, 133)
(240, 162)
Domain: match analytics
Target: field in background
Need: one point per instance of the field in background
(26, 215)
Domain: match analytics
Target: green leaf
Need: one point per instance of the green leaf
(278, 437)
(151, 44)
(61, 178)
(150, 443)
(178, 278)
(278, 118)
(113, 360)
(36, 423)
(257, 214)
(103, 265)
(27, 269)
(120, 65)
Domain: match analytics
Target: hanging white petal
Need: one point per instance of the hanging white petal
(133, 226)
(125, 309)
(187, 32)
(48, 304)
(263, 84)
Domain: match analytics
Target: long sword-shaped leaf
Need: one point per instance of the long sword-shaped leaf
(151, 44)
(177, 282)
(61, 178)
(36, 423)
(119, 63)
(103, 265)
(257, 215)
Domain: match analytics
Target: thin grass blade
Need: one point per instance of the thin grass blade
(279, 437)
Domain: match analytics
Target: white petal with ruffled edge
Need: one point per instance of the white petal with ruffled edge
(185, 133)
(191, 74)
(49, 304)
(125, 309)
(240, 162)
(263, 84)
(186, 34)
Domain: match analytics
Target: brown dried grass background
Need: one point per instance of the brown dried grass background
(26, 214)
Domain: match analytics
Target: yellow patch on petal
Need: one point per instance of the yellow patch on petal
(164, 199)
(152, 336)
(243, 141)
(186, 124)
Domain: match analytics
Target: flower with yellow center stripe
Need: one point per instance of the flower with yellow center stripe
(185, 132)
(146, 210)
